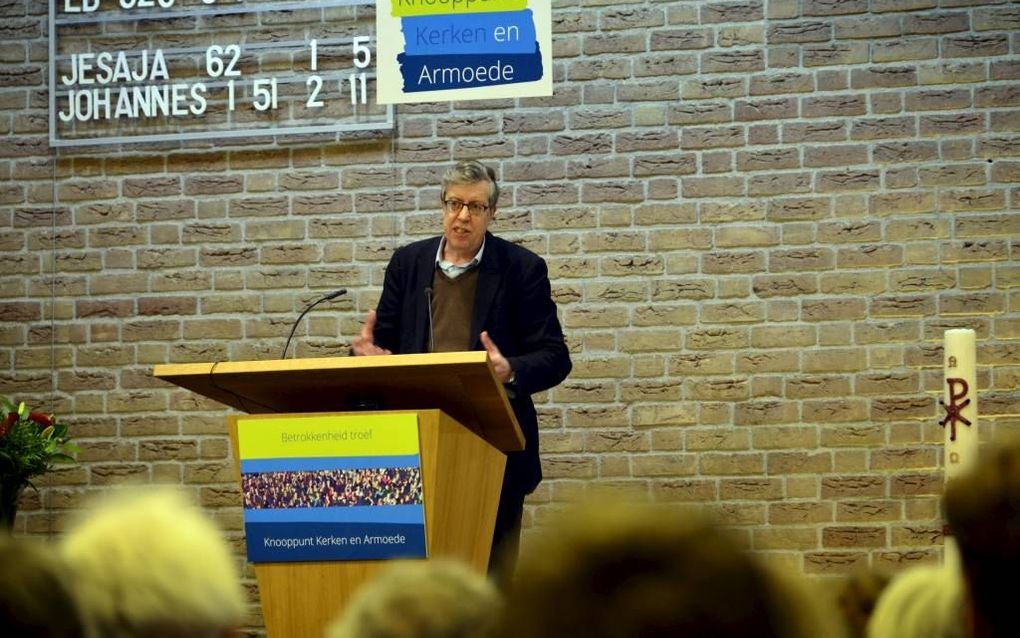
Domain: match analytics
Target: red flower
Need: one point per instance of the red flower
(41, 419)
(9, 422)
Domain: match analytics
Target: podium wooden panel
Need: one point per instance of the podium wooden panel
(461, 460)
(461, 478)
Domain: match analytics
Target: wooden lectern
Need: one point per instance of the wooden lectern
(465, 424)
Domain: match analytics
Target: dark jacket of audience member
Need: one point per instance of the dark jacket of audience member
(36, 601)
(983, 512)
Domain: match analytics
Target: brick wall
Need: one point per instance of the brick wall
(759, 218)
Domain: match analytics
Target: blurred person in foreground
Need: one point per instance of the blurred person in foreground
(856, 597)
(37, 601)
(437, 598)
(983, 511)
(925, 601)
(147, 562)
(614, 571)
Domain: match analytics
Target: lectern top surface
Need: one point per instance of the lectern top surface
(462, 384)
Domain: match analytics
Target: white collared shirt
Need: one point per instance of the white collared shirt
(451, 269)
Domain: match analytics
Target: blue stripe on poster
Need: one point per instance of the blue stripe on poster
(470, 34)
(328, 463)
(283, 542)
(442, 72)
(353, 514)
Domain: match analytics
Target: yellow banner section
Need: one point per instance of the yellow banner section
(328, 435)
(406, 8)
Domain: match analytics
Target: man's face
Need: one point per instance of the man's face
(464, 232)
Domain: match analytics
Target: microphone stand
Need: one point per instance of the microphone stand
(332, 295)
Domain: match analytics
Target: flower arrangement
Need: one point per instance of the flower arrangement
(30, 444)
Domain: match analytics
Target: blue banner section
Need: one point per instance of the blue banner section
(328, 463)
(442, 72)
(353, 514)
(471, 33)
(282, 542)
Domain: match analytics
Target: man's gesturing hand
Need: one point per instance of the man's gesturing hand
(364, 343)
(499, 362)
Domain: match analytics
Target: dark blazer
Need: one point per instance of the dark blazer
(513, 303)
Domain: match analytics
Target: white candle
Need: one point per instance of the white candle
(959, 413)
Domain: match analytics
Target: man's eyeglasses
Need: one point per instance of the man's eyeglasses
(454, 206)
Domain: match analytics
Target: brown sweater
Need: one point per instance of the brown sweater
(453, 301)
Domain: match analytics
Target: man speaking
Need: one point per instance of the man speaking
(470, 290)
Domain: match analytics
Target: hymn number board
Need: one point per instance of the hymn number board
(159, 70)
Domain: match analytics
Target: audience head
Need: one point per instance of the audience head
(857, 596)
(147, 562)
(634, 571)
(37, 600)
(926, 601)
(437, 598)
(983, 512)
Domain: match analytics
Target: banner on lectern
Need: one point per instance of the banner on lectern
(331, 487)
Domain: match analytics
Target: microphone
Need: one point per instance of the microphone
(332, 295)
(432, 334)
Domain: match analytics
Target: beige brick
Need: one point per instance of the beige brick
(649, 365)
(786, 537)
(750, 488)
(761, 412)
(746, 236)
(887, 332)
(833, 309)
(927, 484)
(686, 490)
(785, 463)
(742, 514)
(730, 313)
(782, 336)
(834, 562)
(664, 465)
(719, 390)
(717, 439)
(769, 361)
(850, 461)
(799, 513)
(616, 441)
(650, 391)
(664, 414)
(800, 259)
(834, 360)
(857, 536)
(842, 410)
(701, 363)
(660, 240)
(793, 285)
(650, 341)
(663, 315)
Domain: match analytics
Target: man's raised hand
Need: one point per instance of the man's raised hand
(364, 344)
(499, 362)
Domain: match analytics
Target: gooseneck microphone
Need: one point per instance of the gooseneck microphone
(332, 295)
(432, 334)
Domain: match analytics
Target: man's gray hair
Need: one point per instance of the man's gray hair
(472, 172)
